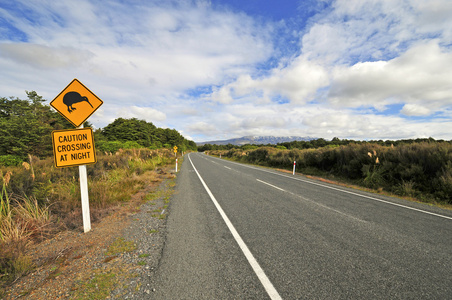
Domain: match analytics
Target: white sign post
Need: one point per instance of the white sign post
(84, 195)
(176, 165)
(294, 163)
(85, 198)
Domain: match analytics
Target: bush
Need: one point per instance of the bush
(108, 146)
(10, 160)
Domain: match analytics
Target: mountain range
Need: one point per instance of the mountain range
(258, 140)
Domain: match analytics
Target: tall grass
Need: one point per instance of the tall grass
(5, 207)
(37, 199)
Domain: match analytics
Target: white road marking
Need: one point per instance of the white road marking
(227, 168)
(348, 192)
(273, 186)
(314, 202)
(271, 291)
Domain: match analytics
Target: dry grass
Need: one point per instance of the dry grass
(37, 200)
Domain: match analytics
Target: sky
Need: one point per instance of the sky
(218, 69)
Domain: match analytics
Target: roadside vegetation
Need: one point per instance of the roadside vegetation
(419, 169)
(38, 200)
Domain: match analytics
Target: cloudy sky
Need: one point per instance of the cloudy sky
(219, 69)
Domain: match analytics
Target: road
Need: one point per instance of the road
(242, 232)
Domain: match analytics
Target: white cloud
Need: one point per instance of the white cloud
(415, 110)
(40, 56)
(421, 76)
(298, 83)
(202, 128)
(174, 47)
(145, 113)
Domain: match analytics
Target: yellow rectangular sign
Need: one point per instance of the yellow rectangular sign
(73, 147)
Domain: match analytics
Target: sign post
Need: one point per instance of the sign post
(85, 198)
(175, 154)
(76, 147)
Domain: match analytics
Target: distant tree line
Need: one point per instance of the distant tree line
(26, 129)
(317, 143)
(134, 133)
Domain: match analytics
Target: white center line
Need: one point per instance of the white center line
(271, 291)
(228, 168)
(314, 202)
(273, 186)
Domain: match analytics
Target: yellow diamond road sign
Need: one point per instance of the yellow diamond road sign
(73, 147)
(76, 103)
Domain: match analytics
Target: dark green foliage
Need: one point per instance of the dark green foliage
(108, 146)
(10, 160)
(133, 133)
(26, 126)
(135, 130)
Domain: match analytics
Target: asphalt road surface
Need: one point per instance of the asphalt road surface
(244, 232)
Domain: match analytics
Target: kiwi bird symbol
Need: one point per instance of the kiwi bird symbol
(70, 98)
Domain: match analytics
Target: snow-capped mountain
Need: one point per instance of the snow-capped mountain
(258, 140)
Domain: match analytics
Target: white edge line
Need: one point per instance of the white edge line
(271, 291)
(273, 186)
(348, 192)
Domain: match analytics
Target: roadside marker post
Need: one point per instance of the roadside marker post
(176, 165)
(76, 147)
(294, 163)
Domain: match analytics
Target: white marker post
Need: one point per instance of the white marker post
(294, 163)
(176, 165)
(84, 195)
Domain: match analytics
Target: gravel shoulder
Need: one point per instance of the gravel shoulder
(115, 260)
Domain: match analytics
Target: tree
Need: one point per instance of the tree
(26, 126)
(133, 129)
(145, 134)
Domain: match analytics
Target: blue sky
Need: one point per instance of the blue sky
(355, 69)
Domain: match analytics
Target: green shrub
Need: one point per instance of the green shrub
(10, 160)
(108, 146)
(131, 145)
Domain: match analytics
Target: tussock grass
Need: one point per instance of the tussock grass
(38, 200)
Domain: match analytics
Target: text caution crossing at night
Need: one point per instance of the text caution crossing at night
(73, 147)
